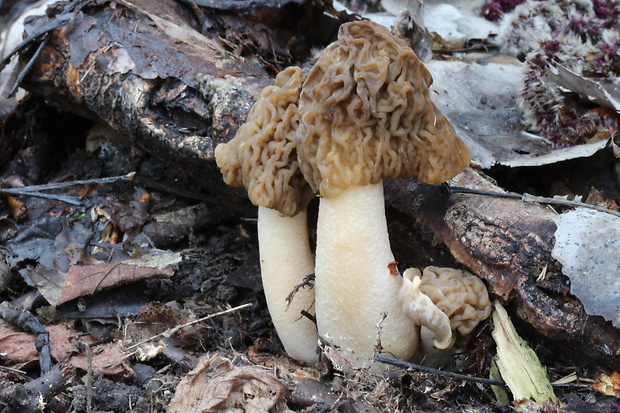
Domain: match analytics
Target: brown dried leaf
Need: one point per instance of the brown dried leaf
(19, 347)
(58, 288)
(16, 346)
(250, 388)
(89, 279)
(108, 358)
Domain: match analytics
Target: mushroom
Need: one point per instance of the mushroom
(262, 158)
(367, 116)
(448, 304)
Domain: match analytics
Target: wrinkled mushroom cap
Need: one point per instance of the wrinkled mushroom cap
(460, 295)
(367, 115)
(262, 156)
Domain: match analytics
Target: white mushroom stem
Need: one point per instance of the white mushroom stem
(286, 260)
(354, 284)
(421, 309)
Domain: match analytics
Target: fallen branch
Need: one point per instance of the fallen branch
(535, 199)
(35, 190)
(30, 396)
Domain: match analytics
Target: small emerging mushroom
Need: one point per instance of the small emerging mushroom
(367, 116)
(262, 158)
(448, 304)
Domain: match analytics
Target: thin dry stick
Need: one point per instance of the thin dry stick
(411, 366)
(568, 203)
(71, 200)
(173, 330)
(79, 182)
(89, 374)
(534, 199)
(36, 190)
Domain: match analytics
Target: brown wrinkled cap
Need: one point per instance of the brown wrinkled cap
(460, 295)
(262, 156)
(367, 116)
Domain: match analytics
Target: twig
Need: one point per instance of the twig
(309, 316)
(411, 366)
(19, 374)
(568, 203)
(31, 323)
(534, 199)
(36, 190)
(89, 374)
(29, 397)
(27, 67)
(185, 193)
(41, 31)
(484, 47)
(71, 200)
(308, 281)
(173, 330)
(80, 182)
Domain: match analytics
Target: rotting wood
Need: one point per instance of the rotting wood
(176, 94)
(145, 69)
(508, 243)
(28, 397)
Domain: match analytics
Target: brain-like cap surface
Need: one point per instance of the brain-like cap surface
(460, 295)
(367, 116)
(262, 156)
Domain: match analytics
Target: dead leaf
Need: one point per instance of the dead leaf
(81, 280)
(19, 347)
(16, 346)
(251, 388)
(485, 114)
(599, 92)
(586, 243)
(108, 358)
(89, 279)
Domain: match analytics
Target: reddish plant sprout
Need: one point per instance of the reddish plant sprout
(544, 105)
(607, 10)
(494, 10)
(582, 26)
(607, 58)
(587, 44)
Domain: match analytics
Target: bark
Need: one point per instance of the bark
(176, 82)
(173, 80)
(508, 243)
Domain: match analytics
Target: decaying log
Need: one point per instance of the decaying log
(174, 80)
(176, 93)
(508, 243)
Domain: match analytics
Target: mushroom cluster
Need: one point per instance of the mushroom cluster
(362, 114)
